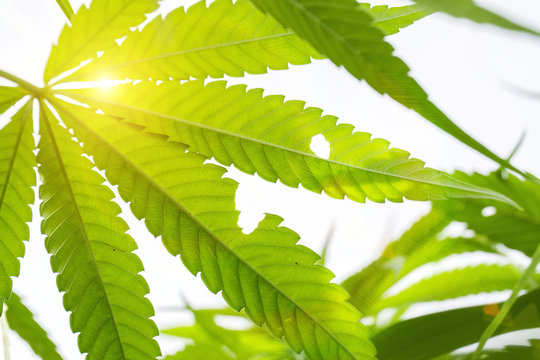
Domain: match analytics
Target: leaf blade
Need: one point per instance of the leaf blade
(92, 253)
(211, 242)
(16, 179)
(94, 29)
(344, 33)
(21, 320)
(469, 10)
(272, 137)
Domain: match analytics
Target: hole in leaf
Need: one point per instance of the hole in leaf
(320, 146)
(489, 211)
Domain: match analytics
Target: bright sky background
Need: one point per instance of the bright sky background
(468, 70)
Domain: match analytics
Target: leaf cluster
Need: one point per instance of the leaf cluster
(151, 137)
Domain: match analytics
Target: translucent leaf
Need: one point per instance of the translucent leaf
(192, 208)
(272, 138)
(16, 180)
(21, 320)
(91, 253)
(94, 29)
(342, 31)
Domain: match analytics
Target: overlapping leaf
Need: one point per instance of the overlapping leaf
(469, 10)
(16, 179)
(436, 334)
(272, 138)
(192, 208)
(217, 342)
(94, 29)
(342, 31)
(391, 19)
(21, 320)
(419, 245)
(224, 39)
(91, 253)
(453, 284)
(500, 223)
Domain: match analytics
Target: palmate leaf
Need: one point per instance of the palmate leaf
(192, 208)
(517, 229)
(9, 96)
(342, 31)
(16, 180)
(453, 284)
(21, 320)
(223, 39)
(272, 138)
(391, 19)
(207, 336)
(94, 29)
(368, 285)
(469, 10)
(432, 335)
(92, 253)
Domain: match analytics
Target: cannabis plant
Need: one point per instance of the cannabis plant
(152, 136)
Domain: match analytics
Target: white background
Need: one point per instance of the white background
(467, 69)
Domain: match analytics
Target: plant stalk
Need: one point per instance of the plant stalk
(34, 90)
(5, 339)
(490, 330)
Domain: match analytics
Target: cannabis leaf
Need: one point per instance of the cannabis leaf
(469, 10)
(436, 334)
(210, 338)
(92, 253)
(94, 29)
(9, 96)
(21, 320)
(391, 19)
(16, 179)
(192, 208)
(341, 30)
(272, 138)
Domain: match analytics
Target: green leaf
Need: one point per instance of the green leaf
(391, 19)
(9, 96)
(342, 31)
(224, 39)
(511, 352)
(192, 208)
(453, 284)
(270, 137)
(91, 253)
(94, 29)
(207, 335)
(21, 320)
(17, 177)
(517, 229)
(469, 10)
(428, 336)
(66, 8)
(522, 283)
(417, 246)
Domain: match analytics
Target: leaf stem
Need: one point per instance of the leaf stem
(34, 90)
(5, 339)
(529, 272)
